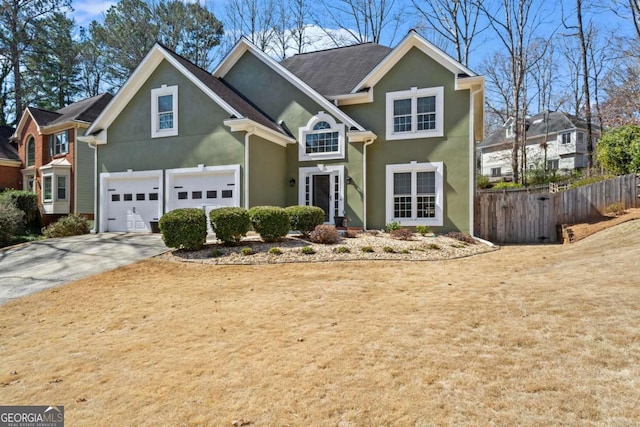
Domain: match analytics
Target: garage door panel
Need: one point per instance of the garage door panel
(132, 203)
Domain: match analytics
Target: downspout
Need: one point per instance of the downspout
(364, 182)
(247, 136)
(472, 163)
(95, 186)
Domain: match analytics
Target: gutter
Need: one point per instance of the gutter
(247, 137)
(364, 182)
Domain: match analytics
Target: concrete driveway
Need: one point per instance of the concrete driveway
(31, 267)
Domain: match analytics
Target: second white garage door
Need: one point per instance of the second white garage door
(202, 187)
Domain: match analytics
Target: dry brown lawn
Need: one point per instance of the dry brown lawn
(527, 335)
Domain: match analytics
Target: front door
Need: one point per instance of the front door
(322, 194)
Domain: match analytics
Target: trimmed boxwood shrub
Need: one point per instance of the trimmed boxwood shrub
(271, 222)
(184, 228)
(305, 218)
(71, 225)
(230, 224)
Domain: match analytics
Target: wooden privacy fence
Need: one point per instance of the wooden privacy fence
(521, 217)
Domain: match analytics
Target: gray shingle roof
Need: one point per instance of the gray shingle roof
(336, 71)
(230, 95)
(7, 149)
(547, 122)
(85, 111)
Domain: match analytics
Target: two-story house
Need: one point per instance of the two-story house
(373, 133)
(54, 165)
(555, 141)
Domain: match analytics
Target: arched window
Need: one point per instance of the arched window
(31, 152)
(322, 138)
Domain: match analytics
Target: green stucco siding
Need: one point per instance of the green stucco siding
(84, 176)
(282, 101)
(267, 173)
(416, 69)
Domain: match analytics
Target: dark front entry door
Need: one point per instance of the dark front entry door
(321, 194)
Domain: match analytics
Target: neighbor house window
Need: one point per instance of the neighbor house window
(164, 111)
(566, 138)
(495, 172)
(61, 188)
(321, 139)
(31, 152)
(580, 138)
(553, 164)
(414, 193)
(509, 131)
(415, 113)
(59, 143)
(46, 188)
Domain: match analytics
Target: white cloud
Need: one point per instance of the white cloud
(85, 11)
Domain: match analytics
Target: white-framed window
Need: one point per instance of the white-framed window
(47, 192)
(164, 111)
(414, 193)
(61, 187)
(415, 113)
(580, 138)
(31, 151)
(495, 172)
(59, 143)
(565, 138)
(321, 139)
(509, 131)
(553, 164)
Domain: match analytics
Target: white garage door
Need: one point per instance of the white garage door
(131, 203)
(204, 188)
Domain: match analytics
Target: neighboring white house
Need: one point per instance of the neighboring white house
(555, 140)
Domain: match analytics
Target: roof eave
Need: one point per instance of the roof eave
(248, 125)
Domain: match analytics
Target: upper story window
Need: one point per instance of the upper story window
(415, 113)
(164, 111)
(31, 151)
(59, 143)
(321, 139)
(566, 138)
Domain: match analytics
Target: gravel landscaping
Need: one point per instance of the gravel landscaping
(362, 246)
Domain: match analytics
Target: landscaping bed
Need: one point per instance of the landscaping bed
(361, 246)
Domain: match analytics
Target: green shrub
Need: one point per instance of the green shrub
(341, 250)
(325, 234)
(482, 181)
(389, 250)
(507, 185)
(308, 250)
(402, 234)
(393, 225)
(433, 246)
(184, 228)
(618, 151)
(246, 251)
(305, 218)
(71, 225)
(230, 224)
(11, 220)
(367, 249)
(405, 251)
(275, 251)
(271, 222)
(423, 229)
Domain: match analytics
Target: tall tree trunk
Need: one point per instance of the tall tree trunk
(585, 87)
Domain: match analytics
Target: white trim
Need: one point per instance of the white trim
(139, 77)
(308, 129)
(413, 39)
(245, 45)
(472, 156)
(414, 167)
(156, 93)
(248, 125)
(352, 98)
(321, 169)
(106, 176)
(171, 174)
(413, 94)
(54, 205)
(10, 163)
